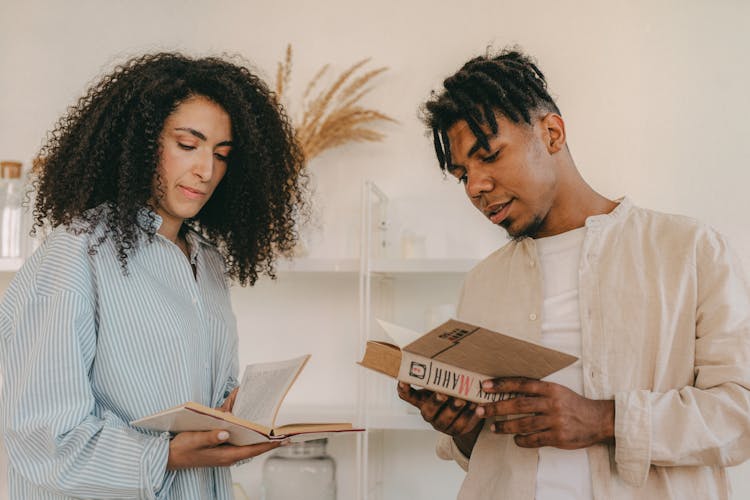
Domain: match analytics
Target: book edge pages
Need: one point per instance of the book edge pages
(305, 359)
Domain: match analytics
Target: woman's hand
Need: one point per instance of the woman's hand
(229, 402)
(209, 449)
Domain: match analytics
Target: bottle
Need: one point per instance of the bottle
(300, 471)
(11, 222)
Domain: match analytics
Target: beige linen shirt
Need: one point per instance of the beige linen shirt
(665, 325)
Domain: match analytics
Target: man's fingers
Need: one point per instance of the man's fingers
(515, 384)
(535, 440)
(523, 425)
(516, 406)
(413, 396)
(433, 406)
(444, 413)
(465, 421)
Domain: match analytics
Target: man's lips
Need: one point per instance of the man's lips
(497, 212)
(191, 193)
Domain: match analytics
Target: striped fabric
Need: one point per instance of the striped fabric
(84, 350)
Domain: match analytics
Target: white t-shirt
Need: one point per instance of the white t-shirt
(562, 474)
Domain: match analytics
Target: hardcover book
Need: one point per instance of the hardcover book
(456, 357)
(253, 419)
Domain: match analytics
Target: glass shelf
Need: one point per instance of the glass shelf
(318, 265)
(420, 266)
(10, 265)
(395, 421)
(378, 266)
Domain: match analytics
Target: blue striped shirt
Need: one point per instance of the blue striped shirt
(85, 349)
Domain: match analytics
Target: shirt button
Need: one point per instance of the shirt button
(195, 300)
(532, 316)
(532, 263)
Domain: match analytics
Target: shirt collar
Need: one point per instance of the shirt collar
(149, 219)
(624, 205)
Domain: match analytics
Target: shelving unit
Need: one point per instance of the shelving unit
(394, 289)
(8, 265)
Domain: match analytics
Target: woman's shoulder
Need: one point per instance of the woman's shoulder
(62, 262)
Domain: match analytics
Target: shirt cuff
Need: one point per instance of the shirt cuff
(447, 450)
(633, 436)
(155, 479)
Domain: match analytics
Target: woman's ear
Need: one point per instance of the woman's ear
(553, 130)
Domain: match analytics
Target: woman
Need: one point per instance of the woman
(170, 175)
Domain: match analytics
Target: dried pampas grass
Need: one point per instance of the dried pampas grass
(334, 116)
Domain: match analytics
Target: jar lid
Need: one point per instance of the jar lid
(10, 169)
(305, 449)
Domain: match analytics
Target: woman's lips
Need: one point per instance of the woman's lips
(192, 194)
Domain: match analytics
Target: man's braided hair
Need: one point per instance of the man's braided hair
(509, 83)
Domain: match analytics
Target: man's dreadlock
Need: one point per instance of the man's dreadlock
(509, 84)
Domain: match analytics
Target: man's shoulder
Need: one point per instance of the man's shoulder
(660, 224)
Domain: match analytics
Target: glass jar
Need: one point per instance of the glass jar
(300, 471)
(11, 212)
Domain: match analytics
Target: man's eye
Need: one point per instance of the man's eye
(463, 179)
(491, 158)
(221, 157)
(186, 147)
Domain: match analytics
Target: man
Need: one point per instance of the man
(655, 306)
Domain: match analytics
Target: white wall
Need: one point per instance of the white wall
(654, 93)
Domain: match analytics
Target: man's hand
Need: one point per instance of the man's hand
(553, 415)
(448, 415)
(208, 449)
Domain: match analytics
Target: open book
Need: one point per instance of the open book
(253, 417)
(456, 357)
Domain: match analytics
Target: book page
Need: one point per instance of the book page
(263, 388)
(400, 335)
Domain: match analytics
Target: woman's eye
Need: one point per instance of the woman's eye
(221, 157)
(186, 147)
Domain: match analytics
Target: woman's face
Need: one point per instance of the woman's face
(194, 146)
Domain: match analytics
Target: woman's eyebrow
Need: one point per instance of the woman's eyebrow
(194, 132)
(201, 136)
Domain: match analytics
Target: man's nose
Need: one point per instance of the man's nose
(478, 183)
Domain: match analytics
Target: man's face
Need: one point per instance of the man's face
(514, 183)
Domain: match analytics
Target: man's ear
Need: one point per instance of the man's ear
(553, 132)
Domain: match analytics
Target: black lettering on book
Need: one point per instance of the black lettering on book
(447, 378)
(418, 370)
(437, 374)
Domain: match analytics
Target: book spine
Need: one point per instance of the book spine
(446, 379)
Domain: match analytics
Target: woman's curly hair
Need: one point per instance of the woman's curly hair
(105, 151)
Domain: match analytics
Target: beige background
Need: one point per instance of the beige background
(654, 94)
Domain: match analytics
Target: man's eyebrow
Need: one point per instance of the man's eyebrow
(201, 136)
(477, 145)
